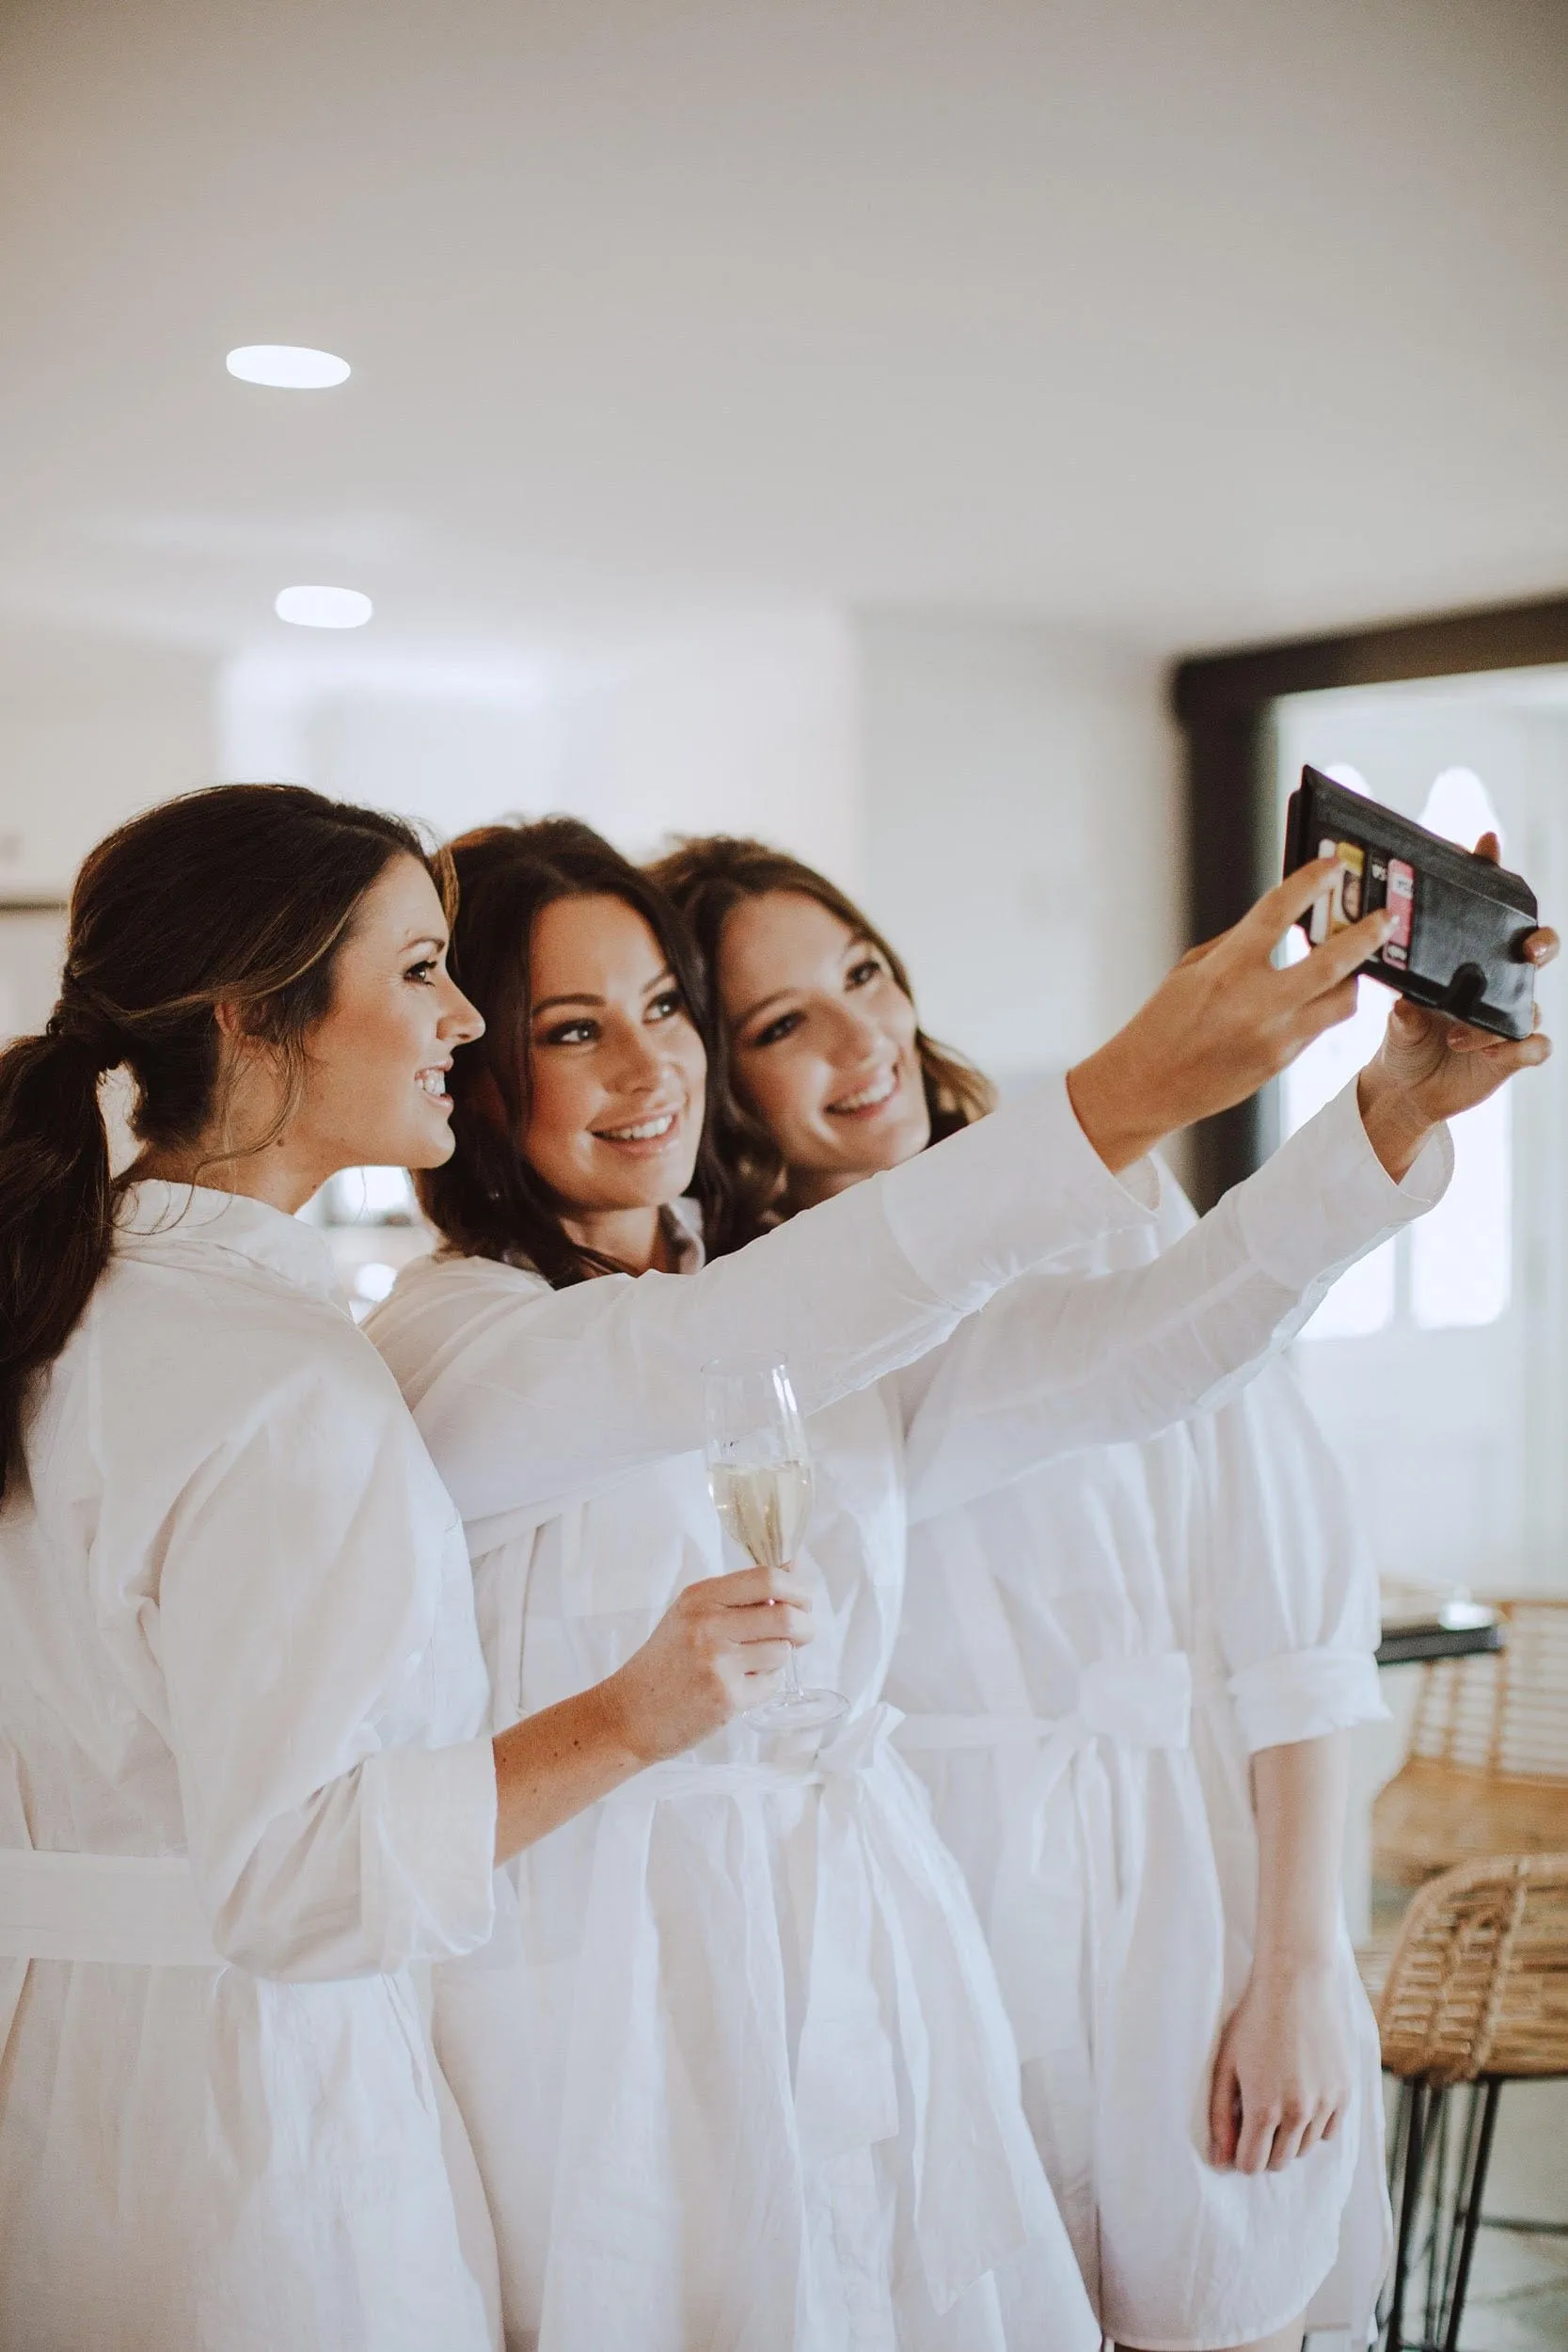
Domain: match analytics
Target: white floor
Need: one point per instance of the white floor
(1519, 2291)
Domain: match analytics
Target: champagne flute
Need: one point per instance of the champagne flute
(759, 1475)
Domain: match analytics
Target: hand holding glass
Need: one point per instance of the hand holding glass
(759, 1475)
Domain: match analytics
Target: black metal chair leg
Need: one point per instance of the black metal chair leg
(1473, 2189)
(1440, 2301)
(1414, 2093)
(1439, 2230)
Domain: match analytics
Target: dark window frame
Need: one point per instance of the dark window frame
(1223, 703)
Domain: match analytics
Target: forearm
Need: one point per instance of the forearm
(1299, 1793)
(1063, 1362)
(555, 1764)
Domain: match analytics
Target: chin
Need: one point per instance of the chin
(422, 1151)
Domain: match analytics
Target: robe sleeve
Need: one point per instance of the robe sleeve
(529, 1397)
(296, 1601)
(1286, 1579)
(1061, 1361)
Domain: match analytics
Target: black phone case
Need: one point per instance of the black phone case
(1466, 919)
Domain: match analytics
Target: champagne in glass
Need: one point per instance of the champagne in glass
(760, 1478)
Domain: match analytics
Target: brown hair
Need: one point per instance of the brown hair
(240, 894)
(488, 1199)
(707, 878)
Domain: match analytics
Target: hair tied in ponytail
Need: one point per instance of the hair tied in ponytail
(240, 894)
(81, 1020)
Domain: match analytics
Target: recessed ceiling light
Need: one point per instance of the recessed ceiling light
(324, 608)
(289, 367)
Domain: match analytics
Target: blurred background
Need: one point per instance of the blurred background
(833, 422)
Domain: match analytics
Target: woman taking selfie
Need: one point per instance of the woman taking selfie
(1056, 1631)
(737, 2071)
(244, 1777)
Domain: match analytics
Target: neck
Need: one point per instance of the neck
(808, 1187)
(272, 1176)
(634, 1238)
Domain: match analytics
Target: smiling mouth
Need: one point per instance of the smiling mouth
(433, 1083)
(869, 1098)
(653, 1130)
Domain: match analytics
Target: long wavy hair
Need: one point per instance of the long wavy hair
(240, 896)
(707, 878)
(488, 1201)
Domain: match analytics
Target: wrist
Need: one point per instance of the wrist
(1108, 1103)
(1304, 1962)
(611, 1725)
(1396, 1126)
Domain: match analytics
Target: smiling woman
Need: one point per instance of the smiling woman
(582, 1116)
(833, 1076)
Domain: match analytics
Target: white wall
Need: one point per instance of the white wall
(748, 727)
(1022, 829)
(90, 729)
(1002, 796)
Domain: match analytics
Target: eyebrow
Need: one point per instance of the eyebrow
(582, 996)
(424, 939)
(861, 939)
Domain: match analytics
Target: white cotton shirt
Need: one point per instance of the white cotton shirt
(1087, 1658)
(236, 1624)
(738, 2071)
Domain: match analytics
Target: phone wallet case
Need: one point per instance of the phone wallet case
(1457, 946)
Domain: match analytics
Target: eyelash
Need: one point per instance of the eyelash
(424, 973)
(858, 975)
(584, 1031)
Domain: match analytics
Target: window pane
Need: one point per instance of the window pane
(1460, 1254)
(1360, 1301)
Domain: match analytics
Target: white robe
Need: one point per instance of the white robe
(1087, 1661)
(737, 2073)
(236, 1633)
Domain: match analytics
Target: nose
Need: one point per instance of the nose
(639, 1065)
(855, 1036)
(460, 1023)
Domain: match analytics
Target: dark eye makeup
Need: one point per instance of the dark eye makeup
(780, 1027)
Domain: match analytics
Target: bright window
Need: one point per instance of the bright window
(1453, 1269)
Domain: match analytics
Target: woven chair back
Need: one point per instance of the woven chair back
(1487, 1770)
(1479, 1979)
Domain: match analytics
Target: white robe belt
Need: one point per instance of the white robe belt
(1143, 1702)
(139, 1909)
(876, 1860)
(1133, 1702)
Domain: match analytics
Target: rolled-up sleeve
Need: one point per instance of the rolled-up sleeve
(1288, 1582)
(296, 1629)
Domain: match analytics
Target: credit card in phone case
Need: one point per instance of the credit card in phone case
(1457, 946)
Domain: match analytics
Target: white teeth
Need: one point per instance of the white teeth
(869, 1096)
(647, 1133)
(433, 1082)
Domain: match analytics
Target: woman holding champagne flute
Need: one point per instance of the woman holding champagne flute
(1094, 1660)
(736, 2066)
(246, 1781)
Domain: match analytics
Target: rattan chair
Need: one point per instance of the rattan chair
(1476, 1994)
(1487, 1768)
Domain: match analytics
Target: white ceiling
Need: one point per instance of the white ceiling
(1191, 321)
